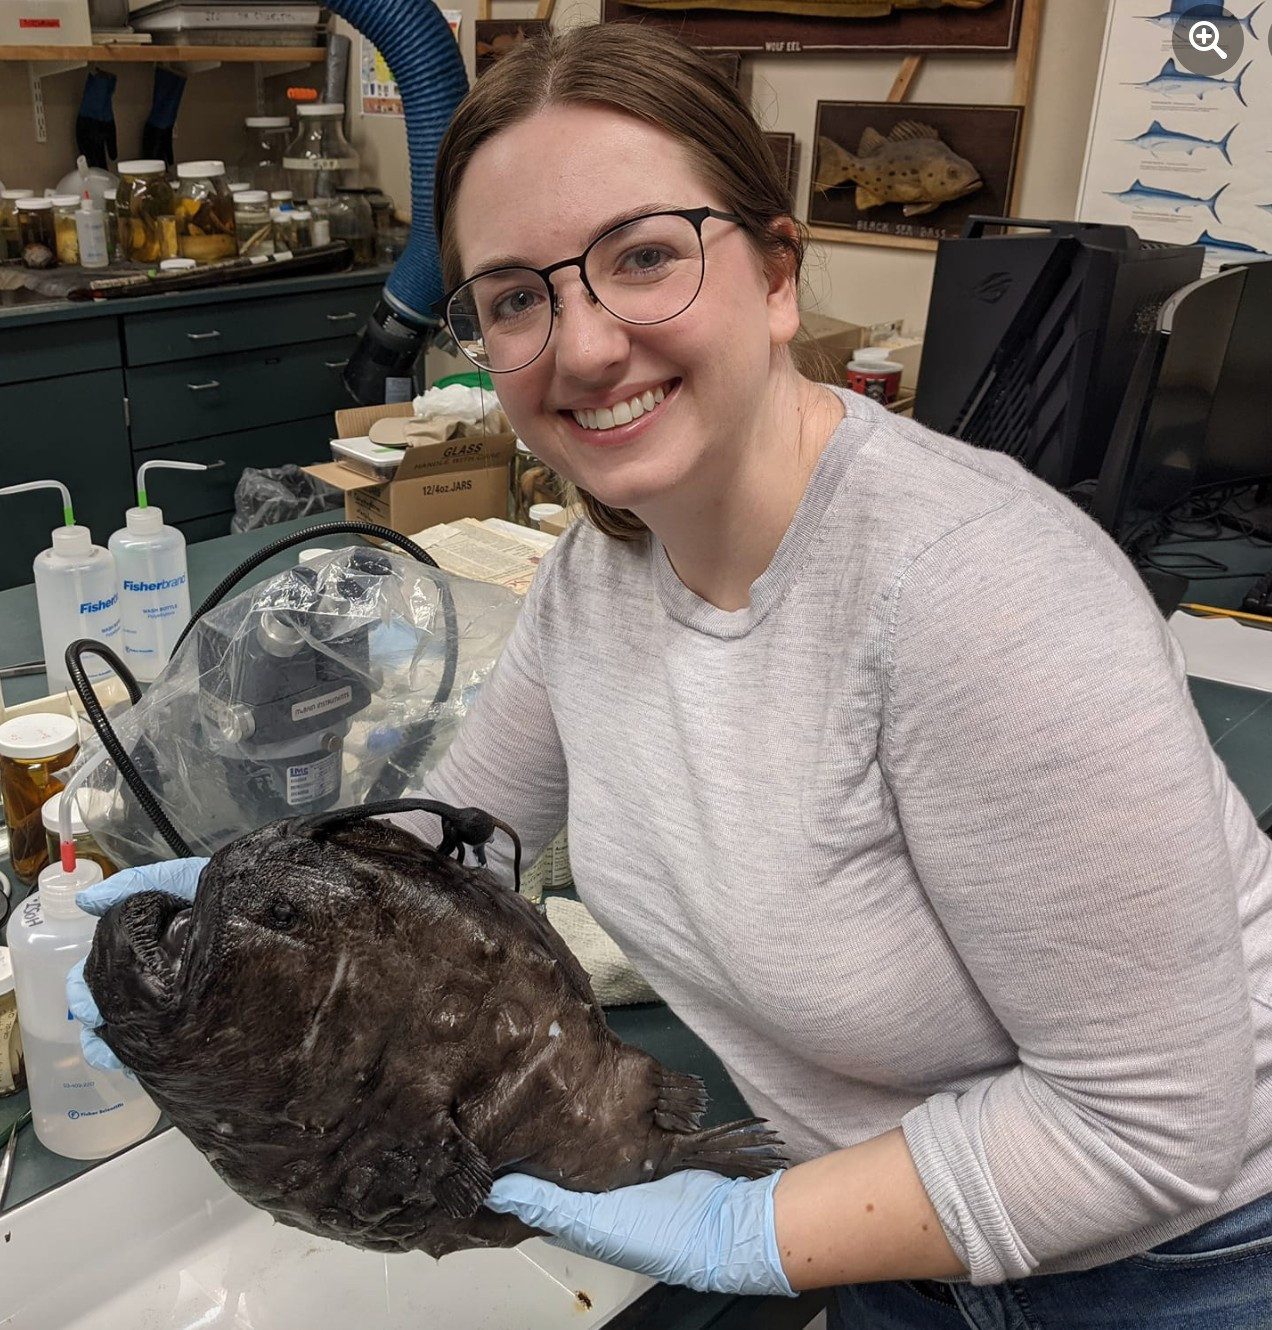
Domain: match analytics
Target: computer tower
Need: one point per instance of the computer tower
(1032, 335)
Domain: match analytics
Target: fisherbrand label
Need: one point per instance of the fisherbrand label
(166, 585)
(97, 606)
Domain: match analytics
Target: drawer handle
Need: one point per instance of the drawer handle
(341, 318)
(203, 337)
(203, 387)
(335, 364)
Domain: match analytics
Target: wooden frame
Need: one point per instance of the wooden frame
(1022, 88)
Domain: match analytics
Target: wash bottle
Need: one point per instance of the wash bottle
(75, 593)
(154, 583)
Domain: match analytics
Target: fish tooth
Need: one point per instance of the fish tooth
(604, 418)
(621, 413)
(648, 400)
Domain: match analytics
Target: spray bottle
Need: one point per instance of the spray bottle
(75, 593)
(154, 583)
(77, 1110)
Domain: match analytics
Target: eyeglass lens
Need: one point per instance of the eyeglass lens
(646, 272)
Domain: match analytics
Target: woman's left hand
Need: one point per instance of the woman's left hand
(711, 1233)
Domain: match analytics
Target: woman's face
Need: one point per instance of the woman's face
(540, 192)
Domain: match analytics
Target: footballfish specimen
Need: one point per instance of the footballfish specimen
(912, 166)
(360, 1033)
(1175, 82)
(1170, 17)
(1140, 195)
(1159, 140)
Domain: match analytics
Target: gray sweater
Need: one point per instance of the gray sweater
(929, 834)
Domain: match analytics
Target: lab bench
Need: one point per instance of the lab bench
(246, 376)
(650, 1026)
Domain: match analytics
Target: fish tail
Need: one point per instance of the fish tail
(1213, 199)
(742, 1149)
(1236, 83)
(1222, 145)
(1248, 22)
(682, 1100)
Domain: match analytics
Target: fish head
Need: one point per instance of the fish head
(947, 176)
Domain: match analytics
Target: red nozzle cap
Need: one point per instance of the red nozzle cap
(67, 848)
(302, 94)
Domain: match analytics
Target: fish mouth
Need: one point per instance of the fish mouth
(139, 953)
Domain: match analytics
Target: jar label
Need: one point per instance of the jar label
(319, 163)
(307, 782)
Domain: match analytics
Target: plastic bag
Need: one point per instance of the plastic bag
(335, 683)
(280, 494)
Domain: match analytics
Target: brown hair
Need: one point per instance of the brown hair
(655, 77)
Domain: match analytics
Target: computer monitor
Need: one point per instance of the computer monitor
(1196, 407)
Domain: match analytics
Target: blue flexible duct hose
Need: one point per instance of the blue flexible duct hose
(418, 45)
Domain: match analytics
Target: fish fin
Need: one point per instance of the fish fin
(912, 129)
(918, 209)
(871, 141)
(866, 199)
(465, 1180)
(742, 1149)
(682, 1100)
(834, 164)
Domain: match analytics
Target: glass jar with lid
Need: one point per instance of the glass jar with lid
(253, 227)
(284, 235)
(65, 206)
(35, 750)
(320, 159)
(146, 206)
(10, 244)
(97, 803)
(37, 236)
(266, 139)
(350, 217)
(205, 213)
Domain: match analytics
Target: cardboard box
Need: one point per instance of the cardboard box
(45, 23)
(435, 482)
(837, 338)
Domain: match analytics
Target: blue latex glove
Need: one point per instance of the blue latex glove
(711, 1233)
(178, 877)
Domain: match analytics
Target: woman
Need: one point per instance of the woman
(881, 764)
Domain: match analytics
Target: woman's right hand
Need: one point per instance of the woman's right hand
(177, 877)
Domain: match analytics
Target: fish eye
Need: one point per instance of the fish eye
(282, 915)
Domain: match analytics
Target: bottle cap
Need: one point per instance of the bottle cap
(58, 888)
(34, 205)
(252, 196)
(267, 122)
(39, 734)
(177, 265)
(16, 193)
(538, 511)
(870, 355)
(142, 166)
(65, 200)
(74, 541)
(280, 214)
(321, 108)
(111, 194)
(199, 170)
(302, 215)
(144, 521)
(313, 555)
(6, 972)
(52, 807)
(239, 186)
(280, 194)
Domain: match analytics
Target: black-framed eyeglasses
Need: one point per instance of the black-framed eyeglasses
(644, 271)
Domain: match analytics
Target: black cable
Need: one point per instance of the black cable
(110, 740)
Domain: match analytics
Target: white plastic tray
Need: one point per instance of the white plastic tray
(154, 1240)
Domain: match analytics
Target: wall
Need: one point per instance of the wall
(862, 283)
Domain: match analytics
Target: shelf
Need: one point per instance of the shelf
(163, 54)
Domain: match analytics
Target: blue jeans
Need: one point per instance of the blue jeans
(1218, 1277)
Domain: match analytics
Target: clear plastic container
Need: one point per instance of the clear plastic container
(92, 234)
(350, 216)
(37, 233)
(33, 750)
(252, 224)
(111, 203)
(154, 589)
(320, 159)
(12, 1068)
(76, 596)
(261, 164)
(283, 232)
(302, 228)
(65, 206)
(77, 1110)
(147, 212)
(205, 213)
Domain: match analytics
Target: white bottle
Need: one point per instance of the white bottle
(77, 1110)
(90, 230)
(154, 589)
(154, 581)
(75, 593)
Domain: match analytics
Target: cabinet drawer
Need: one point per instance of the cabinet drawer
(211, 330)
(187, 495)
(51, 350)
(79, 422)
(175, 403)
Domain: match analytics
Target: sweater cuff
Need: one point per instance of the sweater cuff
(963, 1193)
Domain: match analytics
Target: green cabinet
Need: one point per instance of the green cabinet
(244, 377)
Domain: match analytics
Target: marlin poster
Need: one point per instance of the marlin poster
(1180, 147)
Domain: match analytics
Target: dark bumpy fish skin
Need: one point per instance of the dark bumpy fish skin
(360, 1034)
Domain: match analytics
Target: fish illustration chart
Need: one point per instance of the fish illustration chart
(1183, 157)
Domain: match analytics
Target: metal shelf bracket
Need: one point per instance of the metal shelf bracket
(36, 74)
